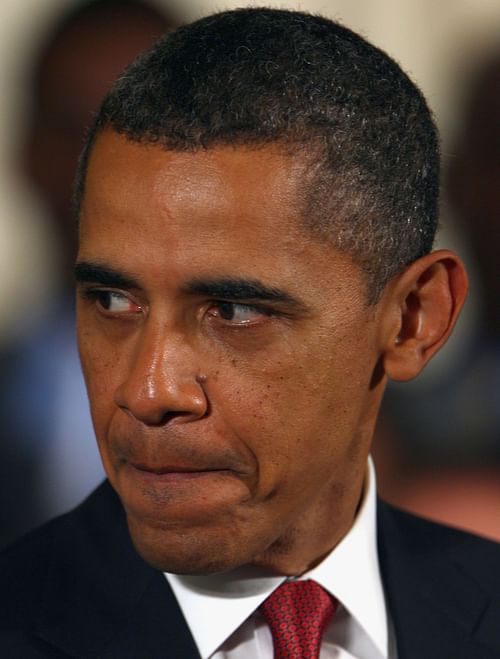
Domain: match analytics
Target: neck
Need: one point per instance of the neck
(311, 538)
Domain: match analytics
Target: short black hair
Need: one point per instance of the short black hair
(257, 76)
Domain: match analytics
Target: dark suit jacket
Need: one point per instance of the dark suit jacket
(76, 588)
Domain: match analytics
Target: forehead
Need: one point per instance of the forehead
(236, 209)
(254, 178)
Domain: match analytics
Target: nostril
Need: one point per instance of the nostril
(171, 418)
(164, 402)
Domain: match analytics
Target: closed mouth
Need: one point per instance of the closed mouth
(175, 472)
(179, 469)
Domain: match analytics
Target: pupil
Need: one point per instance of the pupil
(105, 300)
(226, 311)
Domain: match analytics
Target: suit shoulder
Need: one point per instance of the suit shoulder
(23, 566)
(26, 564)
(421, 538)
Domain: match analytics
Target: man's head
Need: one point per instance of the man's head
(245, 286)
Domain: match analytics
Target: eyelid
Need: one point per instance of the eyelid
(268, 307)
(96, 289)
(92, 291)
(257, 307)
(264, 308)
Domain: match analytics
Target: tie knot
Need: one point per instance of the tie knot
(297, 613)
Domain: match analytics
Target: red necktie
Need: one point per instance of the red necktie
(297, 613)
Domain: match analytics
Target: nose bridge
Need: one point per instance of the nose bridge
(162, 381)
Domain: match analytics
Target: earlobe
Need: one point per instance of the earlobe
(425, 301)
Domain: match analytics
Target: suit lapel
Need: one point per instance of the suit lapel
(437, 609)
(101, 599)
(155, 628)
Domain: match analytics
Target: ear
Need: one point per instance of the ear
(423, 302)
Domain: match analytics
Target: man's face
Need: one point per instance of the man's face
(230, 357)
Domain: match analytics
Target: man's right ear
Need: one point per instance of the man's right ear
(421, 307)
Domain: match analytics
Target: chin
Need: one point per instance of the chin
(181, 552)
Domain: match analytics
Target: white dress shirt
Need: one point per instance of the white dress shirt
(222, 610)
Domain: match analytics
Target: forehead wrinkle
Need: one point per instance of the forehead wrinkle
(195, 189)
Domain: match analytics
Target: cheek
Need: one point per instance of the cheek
(300, 406)
(282, 411)
(102, 365)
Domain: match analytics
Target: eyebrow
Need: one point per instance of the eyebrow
(235, 289)
(95, 273)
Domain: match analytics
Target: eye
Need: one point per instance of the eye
(237, 314)
(112, 302)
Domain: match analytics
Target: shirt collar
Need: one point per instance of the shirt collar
(350, 573)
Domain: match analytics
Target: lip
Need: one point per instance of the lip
(166, 469)
(172, 473)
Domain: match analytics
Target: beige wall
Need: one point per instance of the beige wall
(432, 40)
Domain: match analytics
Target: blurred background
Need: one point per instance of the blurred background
(438, 443)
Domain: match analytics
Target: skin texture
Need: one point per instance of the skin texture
(234, 421)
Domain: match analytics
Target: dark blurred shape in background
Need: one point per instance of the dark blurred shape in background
(446, 436)
(48, 458)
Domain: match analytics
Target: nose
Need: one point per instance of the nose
(162, 384)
